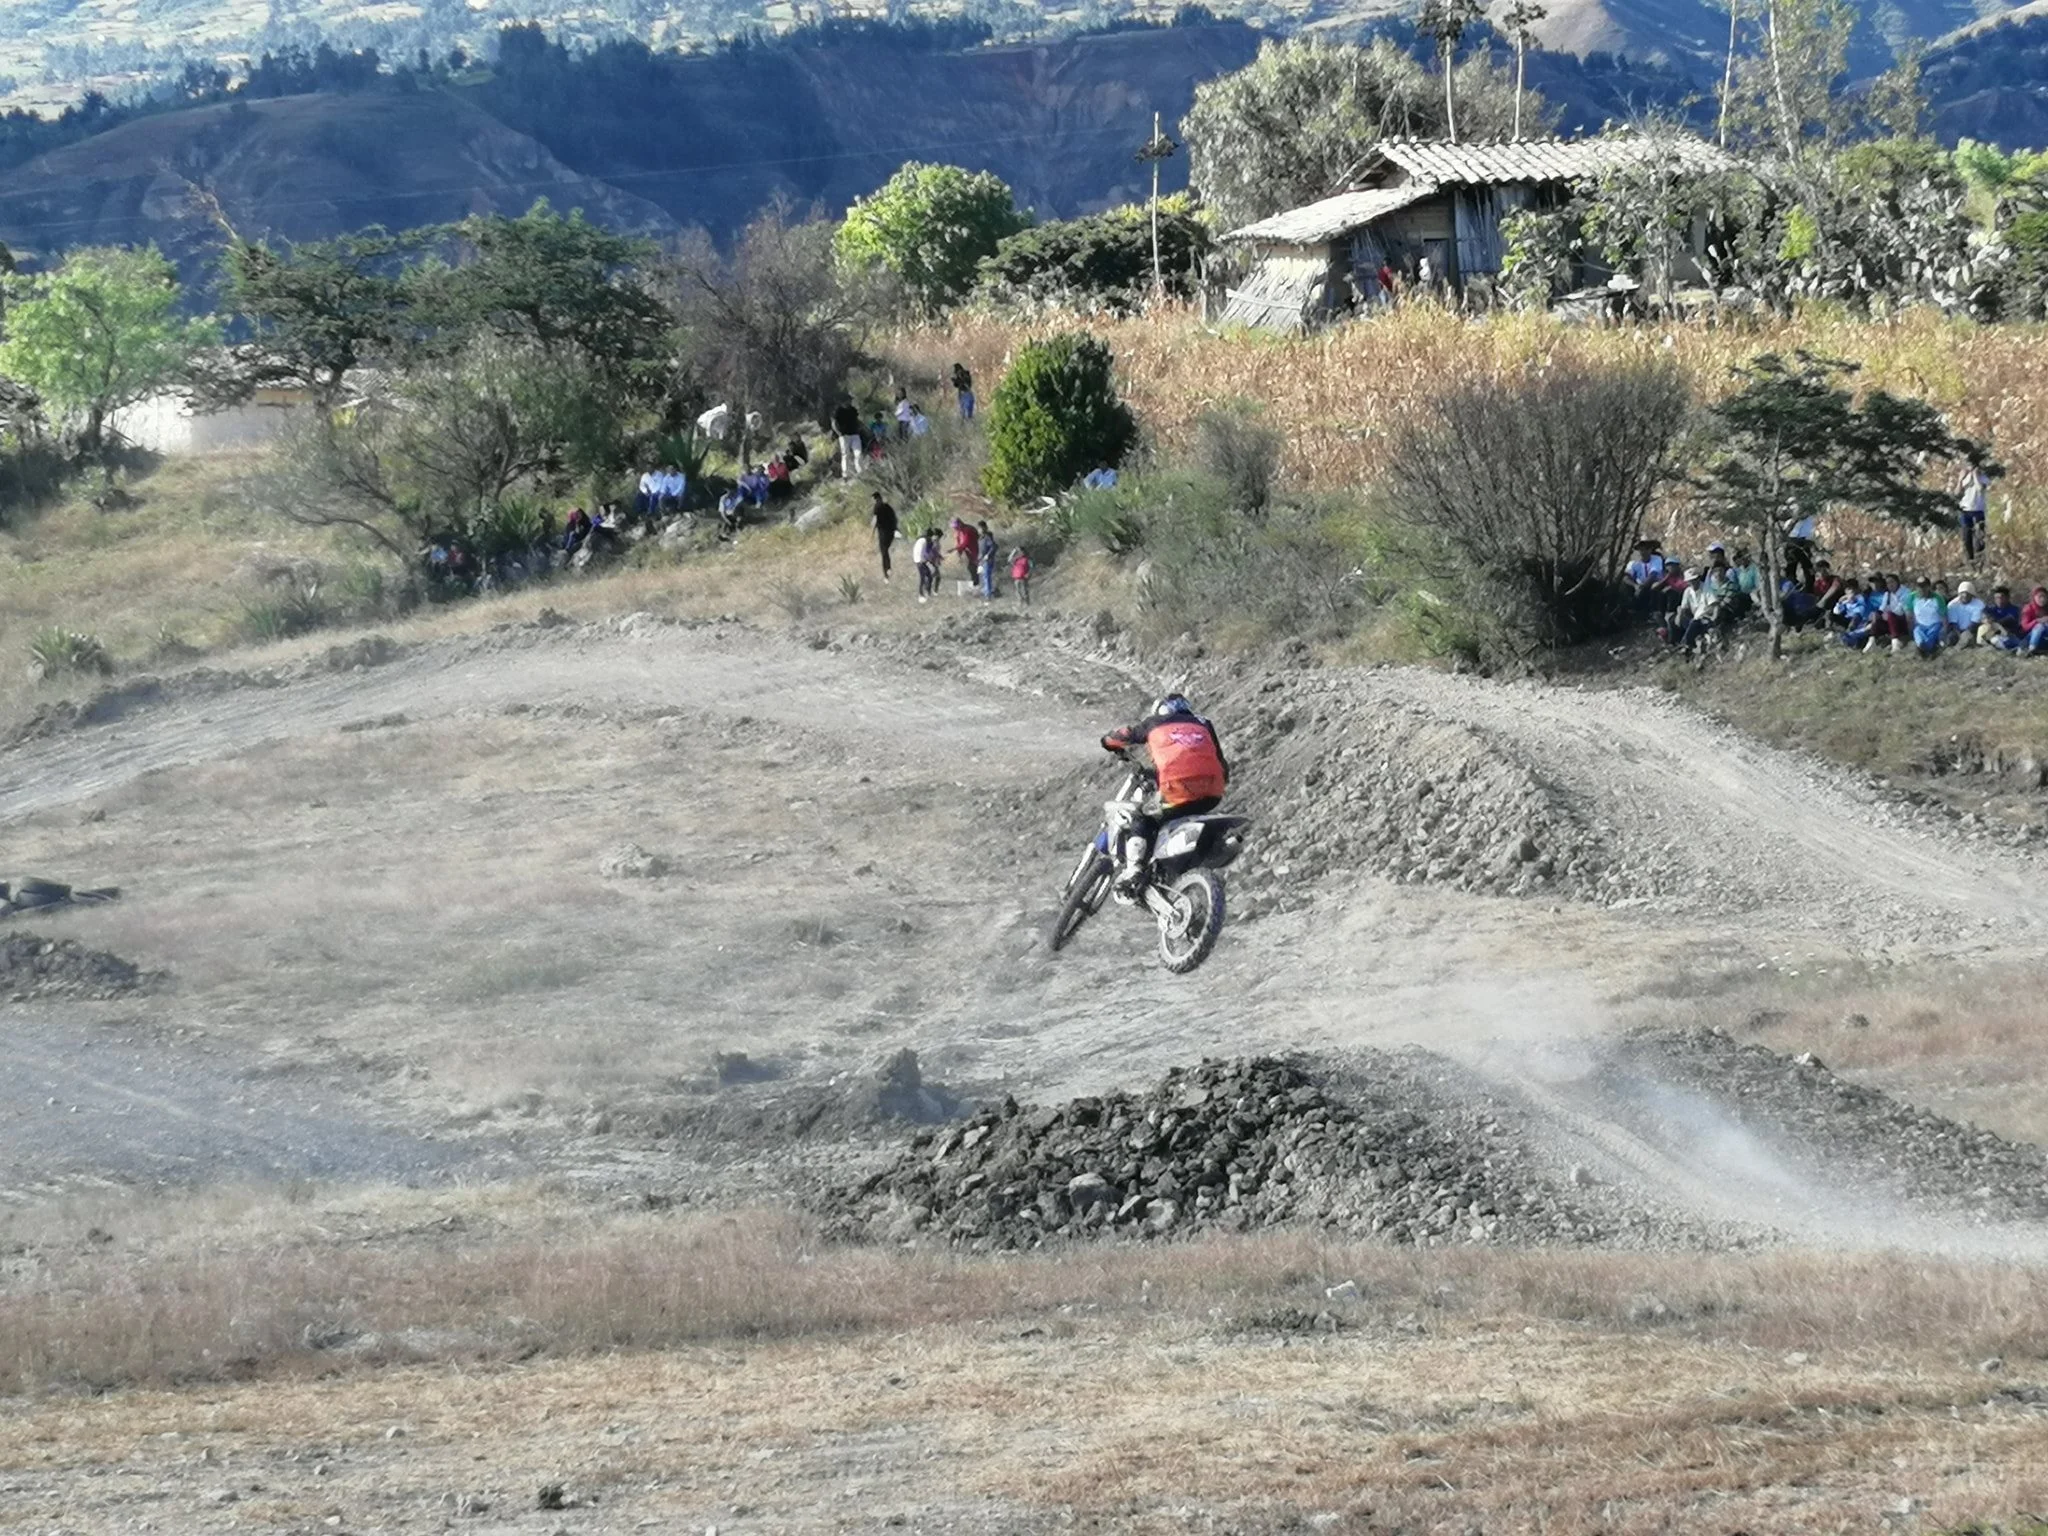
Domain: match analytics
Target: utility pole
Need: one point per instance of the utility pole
(1157, 148)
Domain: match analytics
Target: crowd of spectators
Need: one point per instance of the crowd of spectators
(1699, 605)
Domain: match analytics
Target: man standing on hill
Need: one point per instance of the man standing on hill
(846, 427)
(884, 517)
(963, 386)
(1972, 493)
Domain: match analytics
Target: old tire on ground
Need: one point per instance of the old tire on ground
(29, 893)
(1084, 896)
(1186, 938)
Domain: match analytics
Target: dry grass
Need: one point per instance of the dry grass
(1138, 1385)
(1339, 398)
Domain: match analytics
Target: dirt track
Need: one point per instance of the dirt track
(377, 889)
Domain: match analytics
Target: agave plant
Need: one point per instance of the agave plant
(56, 650)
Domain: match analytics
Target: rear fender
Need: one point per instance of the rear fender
(1198, 841)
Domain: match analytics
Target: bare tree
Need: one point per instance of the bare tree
(1521, 21)
(1446, 21)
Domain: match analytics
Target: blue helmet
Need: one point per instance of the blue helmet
(1173, 704)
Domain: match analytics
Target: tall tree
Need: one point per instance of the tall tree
(929, 226)
(1794, 442)
(1521, 22)
(101, 332)
(1301, 120)
(1446, 21)
(318, 309)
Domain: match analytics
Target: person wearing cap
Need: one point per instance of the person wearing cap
(1965, 614)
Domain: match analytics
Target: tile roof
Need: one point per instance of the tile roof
(1333, 216)
(1441, 163)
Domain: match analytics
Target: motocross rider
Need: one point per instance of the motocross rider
(1190, 775)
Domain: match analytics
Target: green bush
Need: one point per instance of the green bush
(1054, 417)
(511, 526)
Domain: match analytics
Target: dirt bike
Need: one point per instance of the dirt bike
(1183, 883)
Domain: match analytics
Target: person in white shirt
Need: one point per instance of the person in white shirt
(1965, 614)
(650, 494)
(1972, 491)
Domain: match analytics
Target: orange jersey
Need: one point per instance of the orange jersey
(1186, 756)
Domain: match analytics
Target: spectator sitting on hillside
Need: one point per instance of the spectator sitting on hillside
(780, 486)
(675, 487)
(1645, 573)
(1894, 619)
(2001, 626)
(575, 531)
(1698, 615)
(1965, 615)
(754, 485)
(2034, 623)
(729, 512)
(1930, 618)
(1673, 587)
(649, 496)
(1797, 606)
(798, 452)
(1855, 612)
(1101, 478)
(1826, 586)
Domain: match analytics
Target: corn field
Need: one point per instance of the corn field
(1339, 398)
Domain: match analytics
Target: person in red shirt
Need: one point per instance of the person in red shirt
(2034, 623)
(1189, 773)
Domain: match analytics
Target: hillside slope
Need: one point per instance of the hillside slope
(301, 167)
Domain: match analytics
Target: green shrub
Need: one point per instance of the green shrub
(511, 526)
(1243, 455)
(1054, 417)
(56, 650)
(294, 609)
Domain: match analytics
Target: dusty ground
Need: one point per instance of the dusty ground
(378, 886)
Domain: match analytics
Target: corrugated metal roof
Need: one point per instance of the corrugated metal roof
(1333, 216)
(1442, 164)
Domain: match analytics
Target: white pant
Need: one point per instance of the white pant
(849, 456)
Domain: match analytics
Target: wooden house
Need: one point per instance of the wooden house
(1426, 207)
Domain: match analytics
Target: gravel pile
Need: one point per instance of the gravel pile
(1864, 1137)
(31, 967)
(1227, 1145)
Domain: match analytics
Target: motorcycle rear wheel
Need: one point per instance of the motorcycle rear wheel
(1085, 893)
(1187, 936)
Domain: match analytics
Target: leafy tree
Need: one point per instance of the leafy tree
(1445, 21)
(1101, 258)
(2001, 184)
(930, 226)
(99, 333)
(1055, 416)
(777, 326)
(1301, 120)
(318, 309)
(1794, 442)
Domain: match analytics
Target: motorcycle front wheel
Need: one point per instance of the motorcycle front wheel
(1188, 930)
(1085, 893)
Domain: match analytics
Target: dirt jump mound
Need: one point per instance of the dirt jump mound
(1227, 1146)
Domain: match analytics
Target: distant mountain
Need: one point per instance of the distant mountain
(304, 167)
(1989, 81)
(641, 141)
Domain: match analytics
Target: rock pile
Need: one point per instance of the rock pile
(1864, 1138)
(31, 967)
(1228, 1145)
